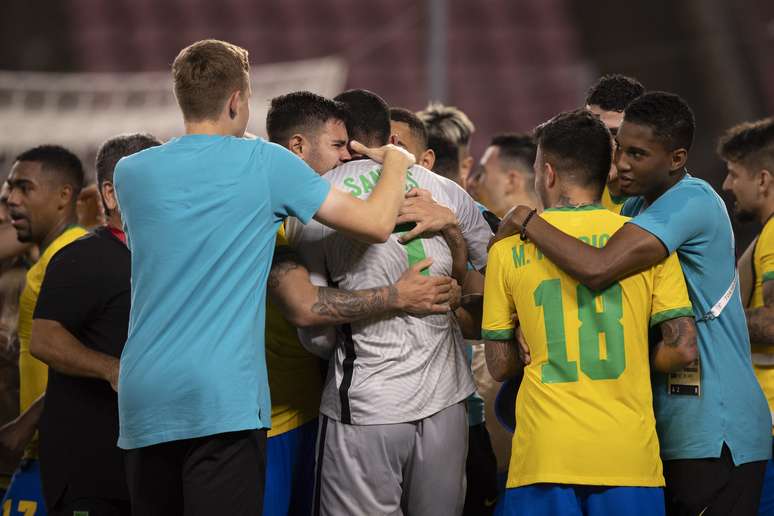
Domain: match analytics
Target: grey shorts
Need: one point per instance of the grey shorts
(415, 468)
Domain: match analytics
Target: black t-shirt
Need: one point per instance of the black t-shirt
(87, 290)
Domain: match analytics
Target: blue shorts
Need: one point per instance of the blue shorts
(25, 494)
(573, 500)
(766, 507)
(290, 472)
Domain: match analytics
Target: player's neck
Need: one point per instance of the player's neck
(766, 211)
(575, 198)
(209, 127)
(67, 221)
(518, 199)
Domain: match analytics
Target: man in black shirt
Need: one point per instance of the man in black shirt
(79, 329)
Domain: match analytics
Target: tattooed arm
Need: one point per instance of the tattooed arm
(760, 321)
(502, 359)
(305, 304)
(677, 349)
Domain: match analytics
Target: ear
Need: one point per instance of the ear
(233, 104)
(66, 194)
(428, 159)
(297, 145)
(467, 164)
(108, 193)
(512, 179)
(765, 179)
(679, 157)
(393, 139)
(549, 175)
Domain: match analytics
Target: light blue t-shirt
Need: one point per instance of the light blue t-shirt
(692, 219)
(201, 213)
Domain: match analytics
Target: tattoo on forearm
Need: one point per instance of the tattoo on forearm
(674, 331)
(760, 321)
(284, 261)
(341, 306)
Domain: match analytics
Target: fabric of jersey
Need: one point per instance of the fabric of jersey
(691, 219)
(584, 409)
(612, 202)
(294, 374)
(392, 368)
(33, 373)
(201, 213)
(79, 424)
(763, 271)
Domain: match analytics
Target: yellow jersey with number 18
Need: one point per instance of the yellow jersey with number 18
(584, 411)
(763, 267)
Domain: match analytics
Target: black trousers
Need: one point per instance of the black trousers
(92, 507)
(481, 473)
(714, 486)
(217, 474)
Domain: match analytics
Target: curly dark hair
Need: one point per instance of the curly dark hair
(578, 146)
(613, 92)
(667, 114)
(749, 143)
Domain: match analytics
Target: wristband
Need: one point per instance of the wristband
(523, 232)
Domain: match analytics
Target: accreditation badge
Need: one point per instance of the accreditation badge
(686, 382)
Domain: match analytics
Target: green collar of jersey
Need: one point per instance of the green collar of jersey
(618, 199)
(585, 207)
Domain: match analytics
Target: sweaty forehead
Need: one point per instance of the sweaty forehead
(335, 129)
(491, 157)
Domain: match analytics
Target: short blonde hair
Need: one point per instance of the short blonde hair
(205, 74)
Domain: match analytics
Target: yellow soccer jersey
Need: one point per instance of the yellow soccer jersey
(584, 410)
(612, 202)
(763, 268)
(295, 380)
(33, 374)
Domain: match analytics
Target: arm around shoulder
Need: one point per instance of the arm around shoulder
(371, 220)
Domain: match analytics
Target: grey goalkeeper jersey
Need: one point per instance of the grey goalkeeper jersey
(391, 369)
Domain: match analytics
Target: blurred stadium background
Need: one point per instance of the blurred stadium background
(77, 71)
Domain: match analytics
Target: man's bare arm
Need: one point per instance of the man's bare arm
(760, 321)
(54, 345)
(502, 359)
(677, 348)
(15, 435)
(629, 250)
(305, 304)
